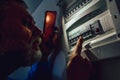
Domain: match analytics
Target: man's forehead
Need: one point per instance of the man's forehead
(22, 11)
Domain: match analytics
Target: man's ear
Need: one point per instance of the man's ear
(2, 50)
(0, 38)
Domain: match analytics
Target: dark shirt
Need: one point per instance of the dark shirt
(39, 71)
(79, 69)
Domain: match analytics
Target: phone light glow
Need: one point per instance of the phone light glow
(48, 19)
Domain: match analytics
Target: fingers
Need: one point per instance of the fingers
(79, 41)
(78, 46)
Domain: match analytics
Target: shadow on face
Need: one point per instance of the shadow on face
(19, 35)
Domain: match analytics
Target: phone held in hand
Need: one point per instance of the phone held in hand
(49, 25)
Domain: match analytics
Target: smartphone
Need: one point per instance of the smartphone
(49, 25)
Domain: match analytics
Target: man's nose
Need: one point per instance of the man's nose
(37, 31)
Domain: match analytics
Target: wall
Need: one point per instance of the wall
(32, 4)
(108, 69)
(39, 13)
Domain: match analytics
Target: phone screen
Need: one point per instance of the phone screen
(49, 24)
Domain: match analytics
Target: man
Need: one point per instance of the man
(19, 37)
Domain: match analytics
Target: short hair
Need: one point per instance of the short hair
(2, 2)
(4, 6)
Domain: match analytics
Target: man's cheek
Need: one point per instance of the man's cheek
(25, 33)
(28, 31)
(37, 55)
(33, 56)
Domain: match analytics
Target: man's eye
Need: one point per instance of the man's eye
(26, 23)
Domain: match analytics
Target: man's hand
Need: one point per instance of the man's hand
(78, 47)
(76, 51)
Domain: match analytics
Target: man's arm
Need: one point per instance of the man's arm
(76, 51)
(78, 68)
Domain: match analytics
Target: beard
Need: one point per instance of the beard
(14, 59)
(19, 52)
(32, 56)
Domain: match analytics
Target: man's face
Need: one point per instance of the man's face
(19, 35)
